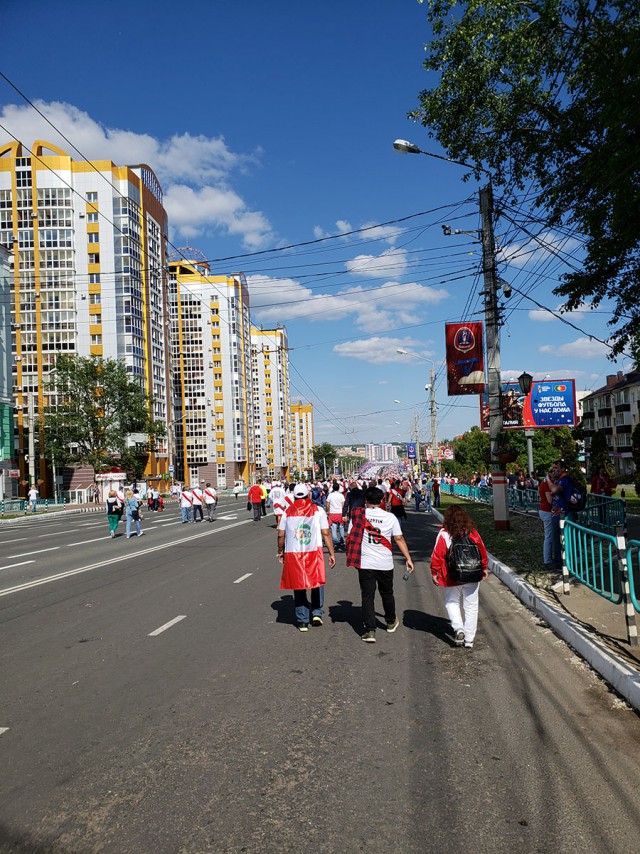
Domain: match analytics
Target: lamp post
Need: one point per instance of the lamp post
(432, 405)
(525, 382)
(171, 444)
(490, 292)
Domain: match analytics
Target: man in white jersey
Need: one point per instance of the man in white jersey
(276, 497)
(369, 548)
(210, 500)
(198, 500)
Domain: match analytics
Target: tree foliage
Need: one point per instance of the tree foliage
(324, 455)
(546, 92)
(635, 452)
(599, 456)
(99, 407)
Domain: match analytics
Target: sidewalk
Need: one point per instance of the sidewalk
(592, 626)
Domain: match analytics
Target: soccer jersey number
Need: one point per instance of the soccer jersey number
(373, 535)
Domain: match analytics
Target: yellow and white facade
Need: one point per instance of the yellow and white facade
(272, 424)
(212, 424)
(302, 443)
(89, 257)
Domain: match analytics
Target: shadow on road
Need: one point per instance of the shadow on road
(22, 842)
(344, 611)
(439, 627)
(284, 610)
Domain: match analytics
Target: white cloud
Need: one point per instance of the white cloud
(343, 226)
(391, 262)
(376, 350)
(183, 163)
(547, 245)
(540, 315)
(583, 348)
(372, 309)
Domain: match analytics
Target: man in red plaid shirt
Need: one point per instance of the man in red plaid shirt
(369, 550)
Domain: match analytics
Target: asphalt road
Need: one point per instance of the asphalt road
(156, 697)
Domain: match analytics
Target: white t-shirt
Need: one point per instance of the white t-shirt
(335, 502)
(376, 552)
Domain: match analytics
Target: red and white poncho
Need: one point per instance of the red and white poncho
(303, 556)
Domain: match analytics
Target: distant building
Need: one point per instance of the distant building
(381, 453)
(302, 438)
(271, 414)
(212, 425)
(614, 409)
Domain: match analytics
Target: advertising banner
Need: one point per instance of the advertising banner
(550, 403)
(411, 450)
(465, 358)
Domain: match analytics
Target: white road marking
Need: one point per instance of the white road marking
(17, 540)
(166, 524)
(243, 577)
(84, 542)
(226, 518)
(167, 626)
(4, 729)
(11, 565)
(126, 556)
(57, 533)
(39, 552)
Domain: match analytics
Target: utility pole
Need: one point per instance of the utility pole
(498, 476)
(416, 436)
(32, 443)
(434, 418)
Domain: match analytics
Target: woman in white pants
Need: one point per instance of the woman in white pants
(461, 600)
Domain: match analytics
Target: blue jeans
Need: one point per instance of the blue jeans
(417, 499)
(302, 604)
(337, 529)
(186, 514)
(136, 522)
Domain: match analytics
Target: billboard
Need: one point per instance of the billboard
(550, 403)
(411, 450)
(465, 358)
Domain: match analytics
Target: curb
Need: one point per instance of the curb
(616, 672)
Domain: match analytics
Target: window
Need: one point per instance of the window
(96, 340)
(92, 217)
(94, 257)
(94, 278)
(92, 197)
(94, 237)
(95, 319)
(95, 299)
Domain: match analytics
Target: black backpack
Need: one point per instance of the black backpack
(464, 561)
(578, 500)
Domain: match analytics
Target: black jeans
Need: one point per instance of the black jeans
(382, 579)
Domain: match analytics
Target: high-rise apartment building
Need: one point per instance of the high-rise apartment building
(302, 438)
(272, 425)
(212, 424)
(88, 277)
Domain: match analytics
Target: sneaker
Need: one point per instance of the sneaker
(391, 627)
(113, 533)
(369, 637)
(316, 620)
(458, 638)
(468, 644)
(303, 627)
(141, 534)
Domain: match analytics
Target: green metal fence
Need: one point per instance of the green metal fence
(21, 505)
(592, 557)
(602, 514)
(633, 568)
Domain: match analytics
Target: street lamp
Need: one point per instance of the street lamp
(432, 404)
(492, 328)
(525, 381)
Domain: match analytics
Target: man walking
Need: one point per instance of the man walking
(301, 532)
(210, 500)
(277, 498)
(369, 550)
(254, 497)
(186, 503)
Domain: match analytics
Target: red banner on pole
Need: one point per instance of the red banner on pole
(465, 358)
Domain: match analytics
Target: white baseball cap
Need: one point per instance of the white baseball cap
(301, 490)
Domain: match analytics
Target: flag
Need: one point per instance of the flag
(465, 358)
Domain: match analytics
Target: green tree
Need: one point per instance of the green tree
(469, 451)
(324, 455)
(99, 407)
(544, 94)
(599, 456)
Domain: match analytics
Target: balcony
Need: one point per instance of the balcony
(606, 410)
(623, 407)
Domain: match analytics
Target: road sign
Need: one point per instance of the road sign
(171, 469)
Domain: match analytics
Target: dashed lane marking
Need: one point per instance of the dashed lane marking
(12, 565)
(243, 577)
(117, 559)
(167, 626)
(3, 729)
(39, 552)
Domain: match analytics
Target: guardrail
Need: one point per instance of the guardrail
(604, 563)
(633, 568)
(602, 514)
(21, 505)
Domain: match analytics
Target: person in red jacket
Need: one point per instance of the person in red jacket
(460, 600)
(254, 498)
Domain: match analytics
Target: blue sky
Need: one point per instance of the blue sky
(271, 125)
